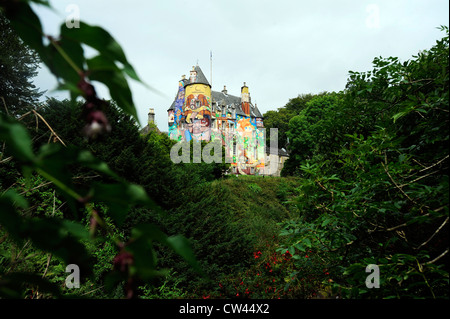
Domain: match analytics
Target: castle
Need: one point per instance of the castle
(200, 114)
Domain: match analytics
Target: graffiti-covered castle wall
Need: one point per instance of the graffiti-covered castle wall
(197, 112)
(176, 114)
(197, 115)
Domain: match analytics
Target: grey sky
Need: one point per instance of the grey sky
(279, 48)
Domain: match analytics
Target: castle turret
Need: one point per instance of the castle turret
(197, 106)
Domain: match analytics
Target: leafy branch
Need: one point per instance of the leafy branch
(60, 237)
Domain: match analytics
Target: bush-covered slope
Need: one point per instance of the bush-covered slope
(226, 220)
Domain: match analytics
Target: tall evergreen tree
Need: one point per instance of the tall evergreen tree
(18, 66)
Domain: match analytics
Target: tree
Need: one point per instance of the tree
(297, 104)
(18, 65)
(317, 129)
(377, 193)
(280, 118)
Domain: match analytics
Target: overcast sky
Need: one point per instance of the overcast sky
(279, 48)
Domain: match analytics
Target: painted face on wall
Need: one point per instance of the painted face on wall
(245, 125)
(197, 107)
(196, 101)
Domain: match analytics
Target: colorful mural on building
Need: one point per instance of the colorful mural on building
(197, 112)
(200, 114)
(176, 113)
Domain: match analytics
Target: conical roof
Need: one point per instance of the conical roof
(201, 78)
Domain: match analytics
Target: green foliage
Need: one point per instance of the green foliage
(60, 237)
(375, 181)
(372, 162)
(314, 130)
(18, 65)
(224, 220)
(165, 287)
(65, 235)
(254, 187)
(279, 119)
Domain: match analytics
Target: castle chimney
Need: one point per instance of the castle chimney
(193, 75)
(245, 100)
(151, 115)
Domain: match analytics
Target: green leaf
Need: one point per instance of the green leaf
(87, 159)
(54, 161)
(300, 247)
(15, 198)
(102, 63)
(9, 218)
(119, 198)
(395, 117)
(118, 89)
(113, 279)
(144, 257)
(103, 67)
(101, 40)
(42, 2)
(16, 138)
(97, 38)
(150, 231)
(307, 242)
(71, 87)
(65, 59)
(75, 229)
(179, 244)
(129, 70)
(27, 25)
(56, 236)
(326, 222)
(115, 197)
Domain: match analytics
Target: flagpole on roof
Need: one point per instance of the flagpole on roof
(210, 57)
